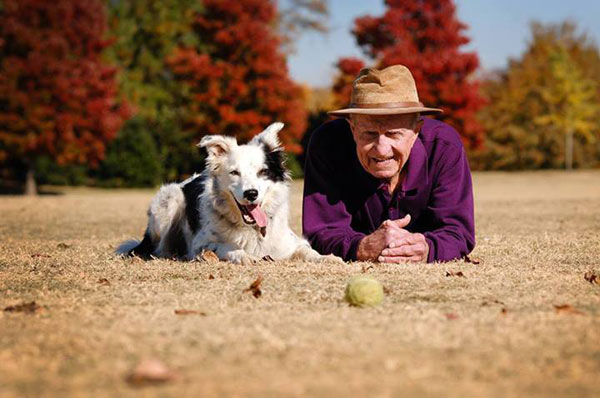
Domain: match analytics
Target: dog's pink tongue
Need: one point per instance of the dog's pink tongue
(258, 215)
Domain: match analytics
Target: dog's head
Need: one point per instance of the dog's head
(247, 171)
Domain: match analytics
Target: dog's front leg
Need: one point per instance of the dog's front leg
(235, 255)
(305, 253)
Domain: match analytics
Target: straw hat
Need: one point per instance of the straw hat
(390, 91)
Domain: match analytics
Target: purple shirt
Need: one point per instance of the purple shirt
(343, 203)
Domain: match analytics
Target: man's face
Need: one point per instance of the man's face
(383, 143)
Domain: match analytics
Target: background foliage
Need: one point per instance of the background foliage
(117, 93)
(551, 90)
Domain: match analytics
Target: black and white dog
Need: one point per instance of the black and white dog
(237, 207)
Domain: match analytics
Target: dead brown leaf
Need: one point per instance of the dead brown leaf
(492, 302)
(63, 246)
(103, 282)
(453, 273)
(473, 260)
(367, 268)
(190, 312)
(211, 276)
(28, 308)
(255, 287)
(386, 290)
(35, 255)
(151, 371)
(592, 278)
(503, 311)
(209, 256)
(567, 309)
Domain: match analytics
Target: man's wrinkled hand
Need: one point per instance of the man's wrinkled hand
(412, 247)
(390, 231)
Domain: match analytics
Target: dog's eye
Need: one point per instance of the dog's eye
(234, 173)
(263, 172)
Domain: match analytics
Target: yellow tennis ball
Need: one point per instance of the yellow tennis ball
(364, 291)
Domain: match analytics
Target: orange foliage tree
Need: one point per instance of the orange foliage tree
(57, 97)
(348, 69)
(426, 36)
(238, 78)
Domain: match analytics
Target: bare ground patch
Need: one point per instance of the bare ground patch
(493, 331)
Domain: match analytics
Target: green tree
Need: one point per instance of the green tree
(542, 99)
(146, 32)
(571, 103)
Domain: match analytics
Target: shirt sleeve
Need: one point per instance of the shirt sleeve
(450, 208)
(326, 223)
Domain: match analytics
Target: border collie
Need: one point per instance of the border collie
(237, 207)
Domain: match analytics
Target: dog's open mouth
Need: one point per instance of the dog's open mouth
(252, 214)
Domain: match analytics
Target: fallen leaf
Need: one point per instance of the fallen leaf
(503, 311)
(40, 255)
(28, 308)
(567, 308)
(451, 316)
(365, 269)
(211, 276)
(190, 312)
(452, 273)
(103, 281)
(492, 302)
(473, 260)
(151, 371)
(387, 290)
(591, 278)
(255, 287)
(209, 256)
(63, 246)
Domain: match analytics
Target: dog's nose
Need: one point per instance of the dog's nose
(251, 195)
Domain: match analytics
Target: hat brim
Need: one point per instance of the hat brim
(384, 111)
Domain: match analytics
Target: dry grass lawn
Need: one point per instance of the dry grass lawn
(493, 332)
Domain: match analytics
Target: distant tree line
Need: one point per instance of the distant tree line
(116, 93)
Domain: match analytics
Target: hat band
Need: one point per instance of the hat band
(407, 104)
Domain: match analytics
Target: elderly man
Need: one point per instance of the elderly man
(384, 184)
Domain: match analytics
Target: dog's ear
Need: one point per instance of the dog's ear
(268, 137)
(217, 145)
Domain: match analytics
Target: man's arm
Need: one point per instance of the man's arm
(326, 223)
(450, 209)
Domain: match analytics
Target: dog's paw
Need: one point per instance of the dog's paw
(330, 259)
(241, 257)
(305, 253)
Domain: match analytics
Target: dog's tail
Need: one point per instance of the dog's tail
(134, 247)
(126, 247)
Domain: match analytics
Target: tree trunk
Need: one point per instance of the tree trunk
(569, 150)
(30, 186)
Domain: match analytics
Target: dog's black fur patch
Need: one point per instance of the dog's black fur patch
(192, 190)
(145, 248)
(175, 244)
(275, 160)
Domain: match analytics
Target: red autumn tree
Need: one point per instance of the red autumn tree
(426, 36)
(238, 78)
(57, 98)
(348, 69)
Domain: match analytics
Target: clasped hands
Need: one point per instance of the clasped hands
(391, 243)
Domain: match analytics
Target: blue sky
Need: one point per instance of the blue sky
(499, 30)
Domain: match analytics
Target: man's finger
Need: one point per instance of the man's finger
(404, 250)
(402, 222)
(400, 259)
(396, 224)
(408, 239)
